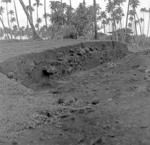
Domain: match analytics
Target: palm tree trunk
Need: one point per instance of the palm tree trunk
(115, 28)
(1, 20)
(62, 12)
(8, 20)
(127, 21)
(84, 2)
(140, 25)
(136, 33)
(95, 20)
(35, 35)
(70, 10)
(17, 17)
(70, 4)
(148, 25)
(143, 24)
(30, 9)
(37, 14)
(45, 13)
(27, 23)
(104, 28)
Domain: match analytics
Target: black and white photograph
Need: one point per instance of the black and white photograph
(74, 72)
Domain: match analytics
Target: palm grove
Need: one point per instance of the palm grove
(61, 20)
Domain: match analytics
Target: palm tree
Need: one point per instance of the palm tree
(70, 4)
(2, 21)
(1, 33)
(84, 2)
(45, 13)
(127, 16)
(148, 22)
(139, 21)
(16, 13)
(31, 10)
(38, 22)
(1, 11)
(95, 20)
(27, 22)
(104, 20)
(37, 4)
(35, 35)
(143, 10)
(7, 11)
(62, 12)
(134, 4)
(11, 13)
(12, 20)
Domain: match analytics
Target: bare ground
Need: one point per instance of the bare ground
(107, 105)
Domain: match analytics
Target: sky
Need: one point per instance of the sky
(75, 3)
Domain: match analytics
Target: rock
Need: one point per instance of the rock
(144, 126)
(70, 69)
(49, 70)
(60, 101)
(111, 135)
(86, 49)
(71, 51)
(82, 110)
(106, 126)
(91, 49)
(147, 74)
(136, 66)
(95, 102)
(147, 70)
(64, 116)
(56, 92)
(10, 75)
(14, 143)
(111, 65)
(97, 141)
(141, 69)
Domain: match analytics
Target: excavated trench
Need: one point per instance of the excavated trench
(43, 68)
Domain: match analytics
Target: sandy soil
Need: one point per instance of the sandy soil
(107, 105)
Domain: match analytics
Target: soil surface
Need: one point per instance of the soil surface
(105, 105)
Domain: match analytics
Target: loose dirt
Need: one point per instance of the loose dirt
(107, 104)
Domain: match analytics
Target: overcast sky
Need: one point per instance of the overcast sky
(75, 3)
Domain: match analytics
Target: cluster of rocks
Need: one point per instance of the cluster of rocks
(76, 59)
(67, 63)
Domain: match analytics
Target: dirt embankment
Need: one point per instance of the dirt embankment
(45, 67)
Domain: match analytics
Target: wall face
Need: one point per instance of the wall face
(36, 68)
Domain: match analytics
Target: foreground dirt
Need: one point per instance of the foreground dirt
(107, 105)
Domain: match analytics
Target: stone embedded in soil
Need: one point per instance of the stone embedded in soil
(49, 70)
(98, 141)
(10, 75)
(14, 143)
(60, 101)
(64, 116)
(82, 110)
(95, 101)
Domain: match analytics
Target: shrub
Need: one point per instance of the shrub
(69, 32)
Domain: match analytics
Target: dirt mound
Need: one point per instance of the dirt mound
(45, 67)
